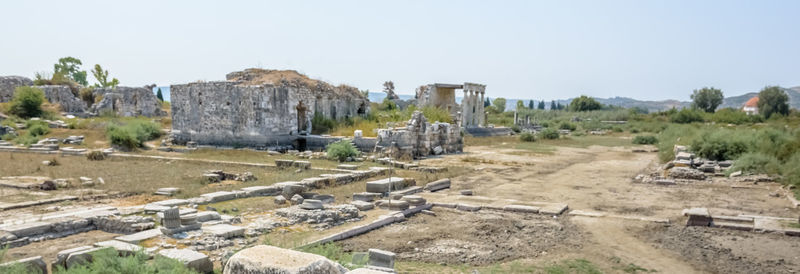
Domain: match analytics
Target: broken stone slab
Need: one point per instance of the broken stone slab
(224, 230)
(468, 207)
(387, 185)
(414, 200)
(296, 199)
(29, 229)
(381, 258)
(279, 200)
(269, 259)
(324, 198)
(32, 264)
(466, 192)
(154, 208)
(291, 189)
(124, 249)
(736, 174)
(205, 216)
(302, 164)
(311, 204)
(552, 208)
(254, 191)
(137, 237)
(521, 208)
(167, 191)
(347, 167)
(438, 185)
(190, 258)
(684, 156)
(362, 205)
(407, 191)
(283, 163)
(61, 257)
(697, 217)
(219, 196)
(686, 173)
(183, 228)
(664, 182)
(366, 196)
(445, 205)
(393, 204)
(81, 257)
(172, 202)
(212, 177)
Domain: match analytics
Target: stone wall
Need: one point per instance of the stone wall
(261, 115)
(63, 96)
(127, 101)
(419, 138)
(9, 83)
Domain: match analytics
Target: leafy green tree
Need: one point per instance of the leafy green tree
(520, 104)
(541, 105)
(707, 99)
(27, 102)
(160, 96)
(102, 77)
(553, 105)
(559, 106)
(70, 67)
(499, 104)
(531, 104)
(584, 103)
(772, 100)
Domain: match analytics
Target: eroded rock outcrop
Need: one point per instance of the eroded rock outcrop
(9, 83)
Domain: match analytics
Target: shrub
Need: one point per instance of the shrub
(566, 125)
(387, 104)
(735, 116)
(37, 128)
(634, 130)
(756, 163)
(527, 137)
(96, 155)
(26, 139)
(342, 150)
(549, 134)
(686, 116)
(645, 140)
(8, 137)
(108, 261)
(133, 134)
(516, 129)
(719, 145)
(791, 174)
(616, 129)
(27, 102)
(584, 103)
(320, 124)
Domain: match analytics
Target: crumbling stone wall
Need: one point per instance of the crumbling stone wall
(127, 101)
(244, 112)
(63, 96)
(9, 83)
(419, 138)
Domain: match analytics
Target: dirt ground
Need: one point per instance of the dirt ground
(596, 179)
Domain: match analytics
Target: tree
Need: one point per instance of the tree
(707, 98)
(531, 105)
(499, 104)
(553, 105)
(772, 100)
(487, 103)
(160, 96)
(520, 104)
(70, 67)
(27, 102)
(541, 104)
(584, 103)
(559, 106)
(102, 78)
(388, 87)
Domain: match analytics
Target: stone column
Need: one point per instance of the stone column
(172, 218)
(464, 109)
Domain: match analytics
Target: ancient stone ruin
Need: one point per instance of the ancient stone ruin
(419, 138)
(258, 108)
(122, 101)
(471, 113)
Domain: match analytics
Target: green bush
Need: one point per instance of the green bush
(27, 102)
(735, 116)
(8, 137)
(37, 128)
(341, 150)
(645, 140)
(634, 130)
(720, 145)
(686, 116)
(516, 129)
(133, 134)
(791, 172)
(756, 163)
(527, 137)
(108, 261)
(549, 134)
(321, 125)
(617, 129)
(566, 125)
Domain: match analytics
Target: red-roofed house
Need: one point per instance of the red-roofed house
(751, 106)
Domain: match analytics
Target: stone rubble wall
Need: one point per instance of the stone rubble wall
(63, 96)
(127, 101)
(231, 113)
(9, 83)
(419, 139)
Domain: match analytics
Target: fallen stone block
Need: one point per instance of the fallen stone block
(468, 207)
(190, 258)
(302, 164)
(366, 196)
(407, 191)
(124, 249)
(466, 192)
(279, 200)
(393, 204)
(381, 258)
(219, 196)
(154, 208)
(61, 256)
(362, 205)
(205, 216)
(269, 259)
(438, 185)
(224, 230)
(167, 191)
(311, 204)
(296, 199)
(81, 257)
(284, 163)
(387, 185)
(521, 208)
(32, 264)
(135, 238)
(347, 167)
(414, 200)
(445, 205)
(324, 198)
(172, 202)
(292, 188)
(255, 191)
(29, 229)
(664, 182)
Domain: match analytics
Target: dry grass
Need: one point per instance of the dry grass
(141, 175)
(542, 146)
(252, 156)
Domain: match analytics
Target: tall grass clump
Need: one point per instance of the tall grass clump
(549, 134)
(334, 252)
(108, 261)
(645, 140)
(527, 137)
(721, 144)
(342, 150)
(674, 135)
(686, 116)
(756, 163)
(132, 134)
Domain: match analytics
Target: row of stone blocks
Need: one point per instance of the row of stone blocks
(702, 217)
(292, 163)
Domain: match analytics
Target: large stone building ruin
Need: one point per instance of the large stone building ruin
(259, 108)
(470, 113)
(122, 101)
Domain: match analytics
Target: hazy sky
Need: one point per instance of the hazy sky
(519, 49)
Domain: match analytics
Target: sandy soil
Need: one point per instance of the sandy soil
(597, 179)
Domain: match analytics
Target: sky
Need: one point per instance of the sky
(651, 50)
